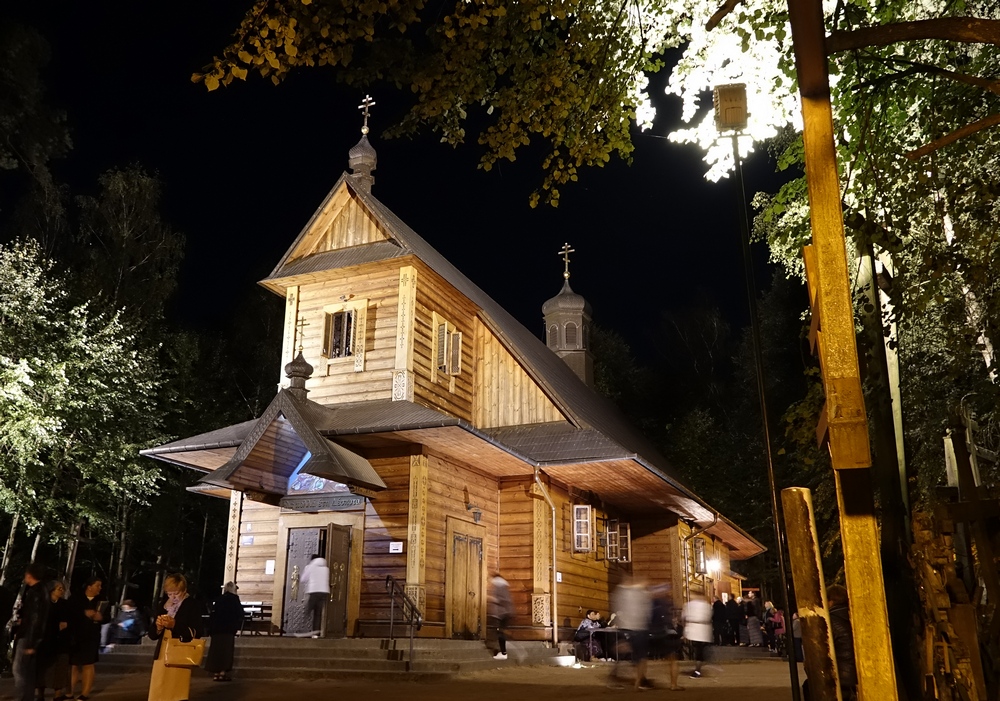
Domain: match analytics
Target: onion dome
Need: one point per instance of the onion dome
(566, 301)
(298, 371)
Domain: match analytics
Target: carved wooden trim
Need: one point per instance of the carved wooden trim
(288, 338)
(233, 537)
(405, 315)
(402, 386)
(416, 553)
(541, 609)
(541, 548)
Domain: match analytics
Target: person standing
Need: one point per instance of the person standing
(179, 616)
(698, 630)
(316, 578)
(223, 624)
(53, 655)
(719, 621)
(30, 632)
(89, 610)
(499, 609)
(754, 637)
(732, 622)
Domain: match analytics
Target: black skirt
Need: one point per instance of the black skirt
(220, 653)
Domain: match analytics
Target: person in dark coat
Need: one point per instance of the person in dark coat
(719, 622)
(843, 641)
(130, 627)
(733, 617)
(179, 616)
(89, 611)
(29, 632)
(53, 655)
(225, 621)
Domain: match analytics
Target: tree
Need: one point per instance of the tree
(76, 404)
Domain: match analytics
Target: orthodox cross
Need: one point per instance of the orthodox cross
(365, 104)
(564, 254)
(300, 327)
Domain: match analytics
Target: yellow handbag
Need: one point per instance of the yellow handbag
(177, 653)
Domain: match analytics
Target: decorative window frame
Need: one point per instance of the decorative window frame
(700, 562)
(359, 332)
(446, 350)
(583, 528)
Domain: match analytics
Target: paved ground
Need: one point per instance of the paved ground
(765, 680)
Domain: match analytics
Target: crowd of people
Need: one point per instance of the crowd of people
(57, 639)
(743, 621)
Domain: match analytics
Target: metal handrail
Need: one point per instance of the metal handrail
(411, 614)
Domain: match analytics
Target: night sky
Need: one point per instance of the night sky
(245, 167)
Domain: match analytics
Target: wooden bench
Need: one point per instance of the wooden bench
(256, 616)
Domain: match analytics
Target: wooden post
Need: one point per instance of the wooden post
(416, 548)
(844, 412)
(810, 595)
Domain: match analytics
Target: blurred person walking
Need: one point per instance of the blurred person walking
(697, 617)
(499, 609)
(633, 605)
(223, 624)
(179, 616)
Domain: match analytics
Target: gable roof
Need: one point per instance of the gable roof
(585, 408)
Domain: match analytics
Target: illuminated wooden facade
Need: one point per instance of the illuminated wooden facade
(441, 429)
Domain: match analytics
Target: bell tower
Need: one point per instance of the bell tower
(567, 326)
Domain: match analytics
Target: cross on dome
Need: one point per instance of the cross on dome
(365, 104)
(564, 254)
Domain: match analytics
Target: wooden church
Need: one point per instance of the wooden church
(421, 432)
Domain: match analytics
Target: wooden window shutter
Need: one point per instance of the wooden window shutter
(360, 330)
(624, 542)
(442, 346)
(327, 334)
(612, 548)
(455, 352)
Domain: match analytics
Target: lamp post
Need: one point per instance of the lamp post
(731, 117)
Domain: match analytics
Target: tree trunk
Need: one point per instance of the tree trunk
(201, 552)
(120, 576)
(73, 546)
(10, 545)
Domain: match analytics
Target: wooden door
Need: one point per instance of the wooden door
(465, 580)
(339, 558)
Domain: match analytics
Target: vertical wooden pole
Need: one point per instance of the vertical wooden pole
(845, 411)
(810, 595)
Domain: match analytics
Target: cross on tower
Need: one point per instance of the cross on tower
(365, 104)
(300, 327)
(564, 254)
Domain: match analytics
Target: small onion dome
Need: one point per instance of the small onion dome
(362, 157)
(299, 368)
(566, 301)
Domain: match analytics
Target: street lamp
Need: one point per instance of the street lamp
(731, 115)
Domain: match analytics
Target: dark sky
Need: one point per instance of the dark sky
(245, 167)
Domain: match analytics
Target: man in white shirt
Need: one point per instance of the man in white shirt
(316, 579)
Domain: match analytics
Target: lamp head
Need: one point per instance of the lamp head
(730, 107)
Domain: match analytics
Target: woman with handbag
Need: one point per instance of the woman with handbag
(177, 629)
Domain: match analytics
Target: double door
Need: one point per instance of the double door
(465, 581)
(332, 542)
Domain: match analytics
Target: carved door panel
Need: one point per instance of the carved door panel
(339, 558)
(464, 580)
(303, 543)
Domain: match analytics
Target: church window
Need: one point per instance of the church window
(583, 531)
(447, 348)
(553, 336)
(570, 335)
(345, 326)
(698, 551)
(338, 334)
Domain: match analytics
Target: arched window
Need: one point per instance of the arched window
(553, 336)
(586, 336)
(571, 335)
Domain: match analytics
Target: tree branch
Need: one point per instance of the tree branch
(990, 121)
(972, 30)
(727, 7)
(990, 84)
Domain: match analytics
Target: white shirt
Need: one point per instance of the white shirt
(316, 577)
